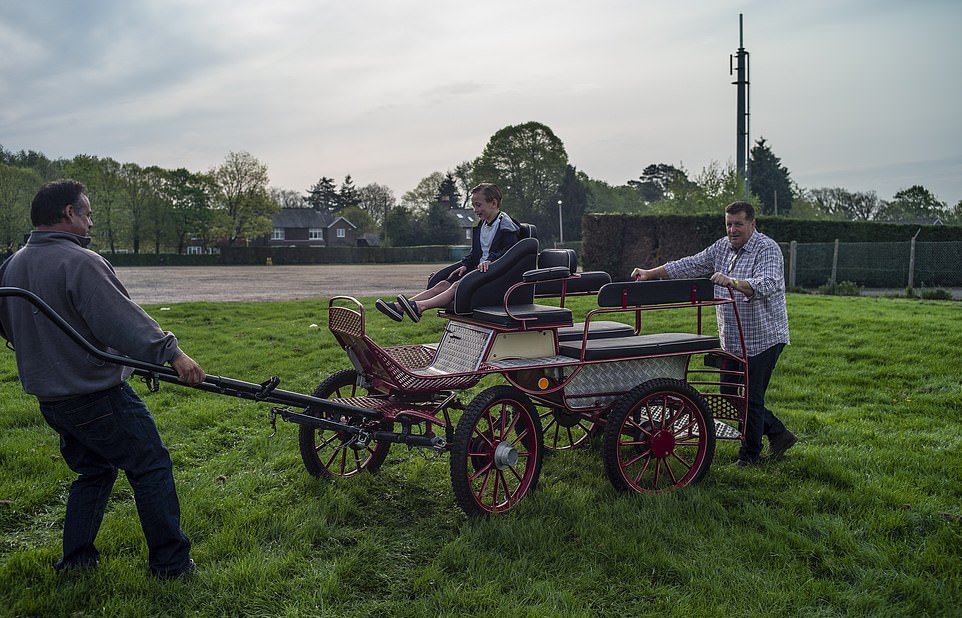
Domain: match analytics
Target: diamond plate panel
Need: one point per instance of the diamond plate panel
(461, 349)
(724, 431)
(619, 377)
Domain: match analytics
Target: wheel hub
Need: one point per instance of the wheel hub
(662, 444)
(505, 456)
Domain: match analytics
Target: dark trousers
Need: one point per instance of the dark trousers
(761, 420)
(99, 433)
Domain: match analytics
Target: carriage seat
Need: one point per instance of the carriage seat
(585, 283)
(629, 295)
(599, 329)
(639, 345)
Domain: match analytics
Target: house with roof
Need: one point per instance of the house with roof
(307, 227)
(465, 220)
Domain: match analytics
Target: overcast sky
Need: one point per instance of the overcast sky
(860, 94)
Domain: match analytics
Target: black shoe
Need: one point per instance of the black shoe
(61, 567)
(781, 443)
(389, 309)
(181, 573)
(410, 308)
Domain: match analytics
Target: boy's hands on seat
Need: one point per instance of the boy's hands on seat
(483, 266)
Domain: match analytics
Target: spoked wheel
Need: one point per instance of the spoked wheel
(659, 436)
(338, 454)
(496, 454)
(564, 430)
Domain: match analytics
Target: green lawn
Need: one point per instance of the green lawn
(861, 518)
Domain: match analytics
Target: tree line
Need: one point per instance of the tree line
(152, 209)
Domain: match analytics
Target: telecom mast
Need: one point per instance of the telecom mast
(738, 64)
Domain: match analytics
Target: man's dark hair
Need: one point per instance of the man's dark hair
(49, 203)
(736, 207)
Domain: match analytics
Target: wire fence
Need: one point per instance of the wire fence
(907, 264)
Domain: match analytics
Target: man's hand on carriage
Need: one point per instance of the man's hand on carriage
(188, 371)
(483, 266)
(642, 274)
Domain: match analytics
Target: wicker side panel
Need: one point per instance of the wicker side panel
(346, 322)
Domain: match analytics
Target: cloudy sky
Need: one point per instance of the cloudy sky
(860, 94)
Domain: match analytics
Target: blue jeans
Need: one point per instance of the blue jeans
(761, 420)
(99, 433)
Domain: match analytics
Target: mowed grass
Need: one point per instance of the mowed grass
(861, 518)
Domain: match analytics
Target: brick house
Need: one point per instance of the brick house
(307, 227)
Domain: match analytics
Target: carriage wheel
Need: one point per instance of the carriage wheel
(564, 429)
(496, 454)
(660, 435)
(334, 454)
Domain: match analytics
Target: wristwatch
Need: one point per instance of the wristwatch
(735, 283)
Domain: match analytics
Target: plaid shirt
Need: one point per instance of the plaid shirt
(764, 316)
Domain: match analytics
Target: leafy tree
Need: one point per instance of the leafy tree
(323, 195)
(402, 228)
(422, 196)
(464, 173)
(709, 192)
(438, 226)
(36, 161)
(656, 179)
(190, 195)
(448, 192)
(840, 203)
(241, 197)
(135, 194)
(528, 162)
(916, 202)
(347, 197)
(360, 218)
(603, 197)
(769, 180)
(18, 185)
(287, 198)
(574, 200)
(953, 215)
(103, 179)
(376, 200)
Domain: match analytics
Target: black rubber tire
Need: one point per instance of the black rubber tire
(638, 434)
(327, 453)
(499, 425)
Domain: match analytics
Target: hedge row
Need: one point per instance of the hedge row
(163, 259)
(616, 243)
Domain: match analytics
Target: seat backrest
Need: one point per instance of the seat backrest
(486, 289)
(551, 258)
(526, 230)
(659, 292)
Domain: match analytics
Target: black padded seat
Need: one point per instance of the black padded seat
(543, 314)
(585, 283)
(639, 345)
(602, 329)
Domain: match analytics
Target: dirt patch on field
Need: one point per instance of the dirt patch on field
(178, 284)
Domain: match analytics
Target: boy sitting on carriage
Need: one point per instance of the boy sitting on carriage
(494, 234)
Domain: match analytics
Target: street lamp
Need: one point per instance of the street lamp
(561, 229)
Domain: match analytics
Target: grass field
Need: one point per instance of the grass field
(862, 518)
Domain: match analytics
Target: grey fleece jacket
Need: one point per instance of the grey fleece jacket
(82, 287)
